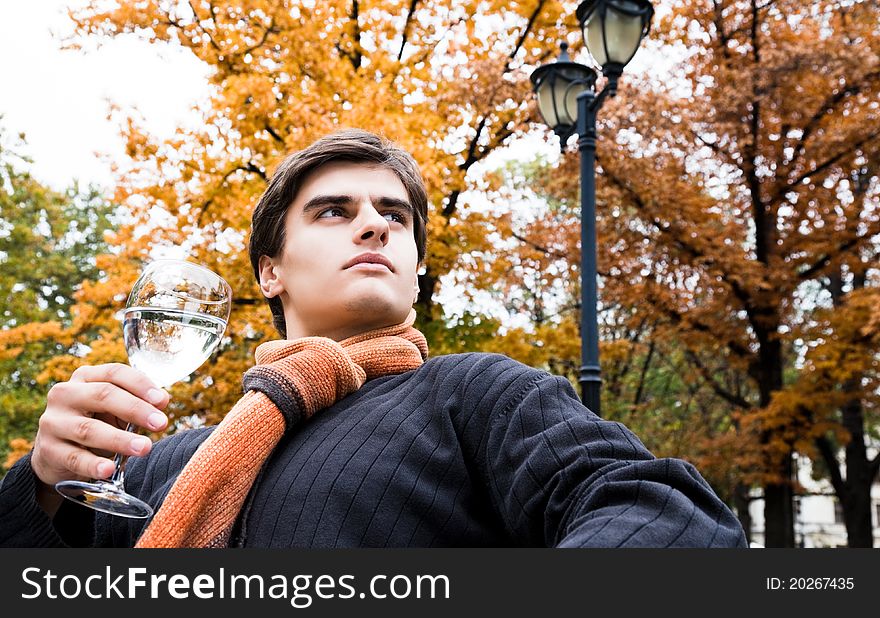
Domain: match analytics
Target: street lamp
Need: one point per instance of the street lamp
(612, 31)
(558, 86)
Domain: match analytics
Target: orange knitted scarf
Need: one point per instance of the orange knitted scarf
(291, 381)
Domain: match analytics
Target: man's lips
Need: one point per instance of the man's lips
(370, 261)
(370, 266)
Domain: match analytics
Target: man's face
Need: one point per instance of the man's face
(343, 212)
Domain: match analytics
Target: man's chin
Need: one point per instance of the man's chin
(375, 309)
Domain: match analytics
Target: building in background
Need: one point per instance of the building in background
(818, 513)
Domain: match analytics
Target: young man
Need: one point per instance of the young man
(347, 435)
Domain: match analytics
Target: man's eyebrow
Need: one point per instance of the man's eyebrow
(323, 201)
(393, 202)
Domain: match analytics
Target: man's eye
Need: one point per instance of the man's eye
(399, 217)
(329, 211)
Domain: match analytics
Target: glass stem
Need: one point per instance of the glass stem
(119, 461)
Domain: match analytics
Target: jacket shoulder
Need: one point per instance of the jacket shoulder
(482, 361)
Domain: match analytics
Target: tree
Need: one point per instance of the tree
(647, 373)
(737, 189)
(737, 207)
(791, 95)
(723, 198)
(48, 244)
(447, 80)
(838, 392)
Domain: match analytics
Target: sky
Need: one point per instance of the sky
(60, 98)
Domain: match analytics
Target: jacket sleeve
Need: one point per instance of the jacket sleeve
(23, 523)
(561, 476)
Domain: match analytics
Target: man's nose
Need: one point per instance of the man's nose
(371, 225)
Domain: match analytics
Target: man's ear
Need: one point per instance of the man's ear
(270, 284)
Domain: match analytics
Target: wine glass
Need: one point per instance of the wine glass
(174, 319)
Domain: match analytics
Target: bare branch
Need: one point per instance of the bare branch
(405, 35)
(523, 35)
(723, 37)
(694, 252)
(538, 247)
(269, 30)
(250, 166)
(273, 133)
(734, 346)
(722, 392)
(637, 398)
(828, 455)
(450, 207)
(848, 150)
(825, 260)
(826, 108)
(237, 300)
(358, 54)
(474, 152)
(198, 23)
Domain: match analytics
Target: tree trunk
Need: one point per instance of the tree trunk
(856, 498)
(779, 496)
(857, 516)
(779, 509)
(741, 504)
(854, 493)
(425, 301)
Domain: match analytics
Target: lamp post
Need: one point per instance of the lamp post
(568, 102)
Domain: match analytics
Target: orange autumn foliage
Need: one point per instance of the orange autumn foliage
(736, 193)
(447, 80)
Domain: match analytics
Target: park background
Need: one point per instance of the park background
(737, 209)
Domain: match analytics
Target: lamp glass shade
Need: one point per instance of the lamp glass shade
(616, 38)
(557, 86)
(557, 99)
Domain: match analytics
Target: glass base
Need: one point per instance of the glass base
(106, 497)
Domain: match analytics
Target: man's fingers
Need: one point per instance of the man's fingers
(81, 462)
(85, 463)
(128, 378)
(96, 434)
(89, 413)
(106, 398)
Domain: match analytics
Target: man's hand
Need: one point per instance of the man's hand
(84, 425)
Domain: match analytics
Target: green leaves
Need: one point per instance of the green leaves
(48, 244)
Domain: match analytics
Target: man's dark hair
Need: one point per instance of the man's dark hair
(348, 145)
